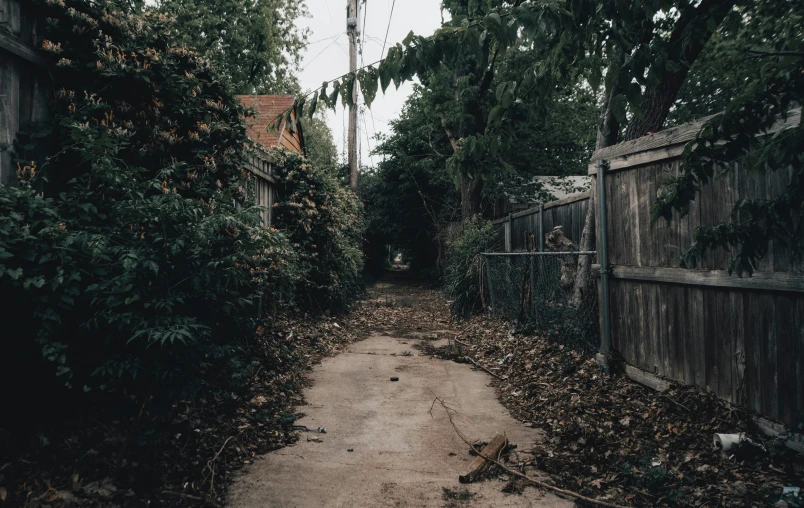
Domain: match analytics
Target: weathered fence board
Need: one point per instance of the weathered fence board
(740, 338)
(569, 212)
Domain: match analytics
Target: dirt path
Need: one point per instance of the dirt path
(383, 446)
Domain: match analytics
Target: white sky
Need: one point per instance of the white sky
(327, 56)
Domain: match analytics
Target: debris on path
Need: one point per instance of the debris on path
(611, 438)
(480, 464)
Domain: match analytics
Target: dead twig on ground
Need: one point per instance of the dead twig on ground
(483, 368)
(211, 465)
(192, 497)
(517, 473)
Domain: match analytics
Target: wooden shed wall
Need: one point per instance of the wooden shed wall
(742, 339)
(263, 185)
(25, 88)
(291, 139)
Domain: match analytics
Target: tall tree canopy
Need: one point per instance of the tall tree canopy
(255, 44)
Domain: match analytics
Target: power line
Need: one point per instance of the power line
(363, 33)
(317, 89)
(320, 53)
(324, 39)
(388, 29)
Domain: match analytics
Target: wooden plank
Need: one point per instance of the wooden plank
(786, 360)
(665, 325)
(737, 319)
(18, 48)
(769, 379)
(663, 145)
(645, 350)
(753, 342)
(9, 123)
(647, 379)
(773, 281)
(794, 441)
(710, 338)
(799, 325)
(572, 198)
(666, 137)
(654, 309)
(725, 337)
(646, 188)
(695, 297)
(494, 449)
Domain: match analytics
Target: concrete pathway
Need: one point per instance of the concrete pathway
(402, 456)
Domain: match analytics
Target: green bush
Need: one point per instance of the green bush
(324, 221)
(462, 280)
(132, 256)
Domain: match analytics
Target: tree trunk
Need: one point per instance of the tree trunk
(471, 195)
(656, 102)
(607, 135)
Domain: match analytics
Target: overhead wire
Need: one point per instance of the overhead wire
(388, 29)
(317, 89)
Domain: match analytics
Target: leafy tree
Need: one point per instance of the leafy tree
(737, 138)
(255, 44)
(133, 256)
(319, 144)
(725, 67)
(143, 261)
(411, 198)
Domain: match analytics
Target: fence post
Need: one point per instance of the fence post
(541, 227)
(603, 258)
(508, 232)
(485, 269)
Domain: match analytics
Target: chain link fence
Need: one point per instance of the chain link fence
(537, 290)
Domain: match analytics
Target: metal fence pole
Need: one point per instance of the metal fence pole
(603, 253)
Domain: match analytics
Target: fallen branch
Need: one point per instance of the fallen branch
(517, 473)
(211, 465)
(460, 342)
(483, 368)
(192, 497)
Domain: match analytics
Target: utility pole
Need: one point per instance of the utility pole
(352, 20)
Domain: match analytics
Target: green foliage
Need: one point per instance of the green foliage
(139, 271)
(724, 68)
(737, 138)
(323, 220)
(411, 198)
(464, 265)
(255, 45)
(319, 146)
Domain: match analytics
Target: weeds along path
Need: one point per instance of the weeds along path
(385, 442)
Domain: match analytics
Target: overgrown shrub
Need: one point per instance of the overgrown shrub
(324, 221)
(137, 272)
(462, 282)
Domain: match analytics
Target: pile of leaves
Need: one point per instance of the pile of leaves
(186, 459)
(610, 438)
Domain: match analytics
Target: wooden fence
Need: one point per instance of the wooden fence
(740, 338)
(569, 212)
(25, 87)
